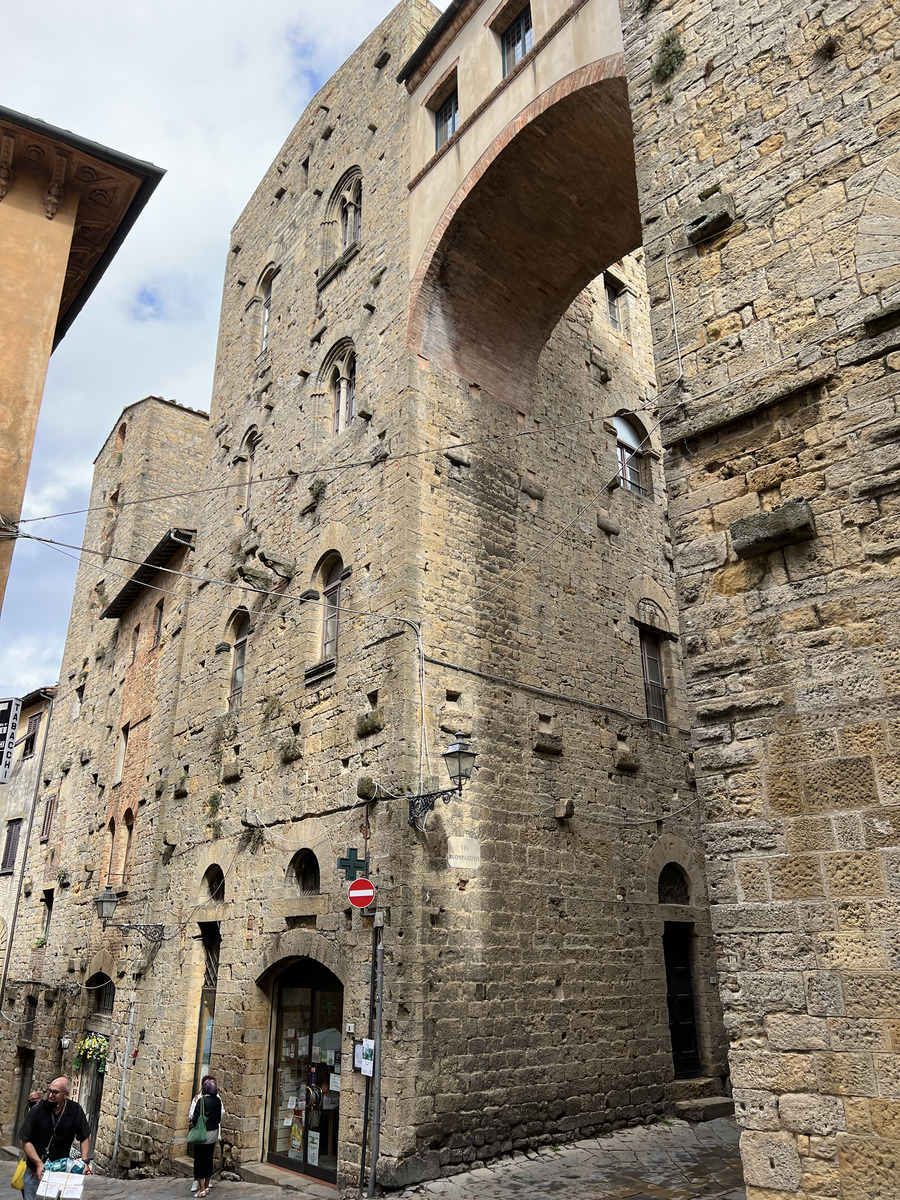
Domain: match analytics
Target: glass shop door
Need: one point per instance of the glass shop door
(306, 1099)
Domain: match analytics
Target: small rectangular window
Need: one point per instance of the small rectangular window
(517, 39)
(47, 823)
(613, 304)
(13, 829)
(158, 623)
(135, 638)
(30, 739)
(446, 120)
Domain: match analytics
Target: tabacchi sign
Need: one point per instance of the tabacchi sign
(9, 723)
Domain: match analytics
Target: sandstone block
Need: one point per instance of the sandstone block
(771, 1160)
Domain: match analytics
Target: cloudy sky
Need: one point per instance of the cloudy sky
(209, 91)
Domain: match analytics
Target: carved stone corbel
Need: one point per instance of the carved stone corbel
(53, 197)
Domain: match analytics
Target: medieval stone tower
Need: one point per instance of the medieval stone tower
(430, 501)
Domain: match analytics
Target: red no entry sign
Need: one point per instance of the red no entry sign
(361, 893)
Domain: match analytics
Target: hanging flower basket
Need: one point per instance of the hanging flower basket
(93, 1047)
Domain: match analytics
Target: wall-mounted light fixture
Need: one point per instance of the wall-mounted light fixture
(106, 904)
(460, 760)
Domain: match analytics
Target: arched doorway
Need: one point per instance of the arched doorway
(307, 1070)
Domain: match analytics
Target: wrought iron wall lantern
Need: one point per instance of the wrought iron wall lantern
(106, 904)
(460, 760)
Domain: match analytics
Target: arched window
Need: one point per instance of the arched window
(351, 212)
(630, 446)
(103, 994)
(331, 606)
(304, 871)
(343, 392)
(240, 634)
(213, 884)
(673, 885)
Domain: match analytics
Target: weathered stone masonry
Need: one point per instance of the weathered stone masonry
(768, 182)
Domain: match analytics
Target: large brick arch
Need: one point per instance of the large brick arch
(549, 204)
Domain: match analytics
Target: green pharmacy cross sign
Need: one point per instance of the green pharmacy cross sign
(353, 865)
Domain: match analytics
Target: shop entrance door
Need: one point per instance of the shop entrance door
(680, 999)
(306, 1085)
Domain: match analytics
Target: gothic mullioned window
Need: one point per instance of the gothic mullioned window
(343, 393)
(351, 213)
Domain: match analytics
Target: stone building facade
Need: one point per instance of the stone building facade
(768, 178)
(292, 609)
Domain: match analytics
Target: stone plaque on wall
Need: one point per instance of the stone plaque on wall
(464, 853)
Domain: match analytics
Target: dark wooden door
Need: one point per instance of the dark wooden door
(680, 999)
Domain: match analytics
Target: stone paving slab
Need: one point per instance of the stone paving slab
(673, 1161)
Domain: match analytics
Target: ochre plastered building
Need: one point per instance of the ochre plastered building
(66, 205)
(418, 515)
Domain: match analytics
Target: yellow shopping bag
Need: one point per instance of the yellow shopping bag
(18, 1179)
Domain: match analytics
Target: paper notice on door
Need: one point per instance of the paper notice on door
(288, 1121)
(335, 1083)
(312, 1149)
(292, 1102)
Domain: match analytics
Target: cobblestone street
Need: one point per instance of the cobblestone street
(672, 1161)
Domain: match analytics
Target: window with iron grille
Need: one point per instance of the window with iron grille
(673, 886)
(517, 40)
(13, 829)
(654, 688)
(104, 992)
(30, 740)
(446, 120)
(47, 823)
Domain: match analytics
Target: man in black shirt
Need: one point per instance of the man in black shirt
(48, 1132)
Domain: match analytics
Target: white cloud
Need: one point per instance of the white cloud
(209, 91)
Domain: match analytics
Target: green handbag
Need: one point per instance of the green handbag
(197, 1132)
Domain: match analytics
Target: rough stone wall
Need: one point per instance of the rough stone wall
(774, 145)
(525, 996)
(17, 797)
(99, 693)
